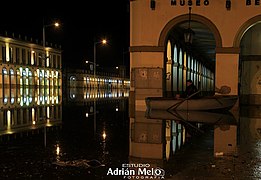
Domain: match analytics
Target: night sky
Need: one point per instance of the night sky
(81, 24)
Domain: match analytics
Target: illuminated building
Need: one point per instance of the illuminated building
(225, 51)
(30, 84)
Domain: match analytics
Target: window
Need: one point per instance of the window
(17, 55)
(58, 62)
(4, 53)
(54, 61)
(28, 56)
(11, 54)
(5, 85)
(23, 57)
(175, 54)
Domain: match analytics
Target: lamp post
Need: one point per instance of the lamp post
(56, 24)
(44, 58)
(104, 41)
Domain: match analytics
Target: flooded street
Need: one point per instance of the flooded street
(84, 146)
(69, 149)
(197, 160)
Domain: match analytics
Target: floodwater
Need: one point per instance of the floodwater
(78, 141)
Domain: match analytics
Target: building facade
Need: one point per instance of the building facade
(227, 32)
(154, 43)
(30, 83)
(76, 78)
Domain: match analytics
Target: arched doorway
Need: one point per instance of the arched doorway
(250, 66)
(194, 61)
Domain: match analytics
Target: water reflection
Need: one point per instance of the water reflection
(193, 116)
(223, 143)
(180, 126)
(84, 145)
(185, 145)
(30, 109)
(88, 95)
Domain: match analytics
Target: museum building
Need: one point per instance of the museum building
(215, 43)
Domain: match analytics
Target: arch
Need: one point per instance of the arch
(72, 78)
(194, 17)
(247, 25)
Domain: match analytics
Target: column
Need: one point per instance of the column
(227, 71)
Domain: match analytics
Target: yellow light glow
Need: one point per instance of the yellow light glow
(7, 51)
(104, 41)
(32, 58)
(8, 119)
(104, 135)
(56, 24)
(33, 115)
(57, 150)
(47, 59)
(48, 112)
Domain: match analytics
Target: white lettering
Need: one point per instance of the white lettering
(142, 171)
(109, 172)
(117, 171)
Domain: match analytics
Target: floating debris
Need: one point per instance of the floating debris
(80, 163)
(219, 154)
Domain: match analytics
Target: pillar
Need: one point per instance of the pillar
(146, 75)
(227, 61)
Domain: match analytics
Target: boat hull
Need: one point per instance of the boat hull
(201, 104)
(193, 116)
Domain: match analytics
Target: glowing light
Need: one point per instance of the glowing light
(7, 52)
(56, 24)
(33, 115)
(58, 150)
(5, 100)
(104, 41)
(8, 119)
(104, 135)
(48, 112)
(12, 100)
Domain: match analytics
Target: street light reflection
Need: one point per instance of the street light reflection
(104, 135)
(56, 24)
(57, 150)
(104, 41)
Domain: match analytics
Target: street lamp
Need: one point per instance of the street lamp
(104, 41)
(189, 33)
(56, 24)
